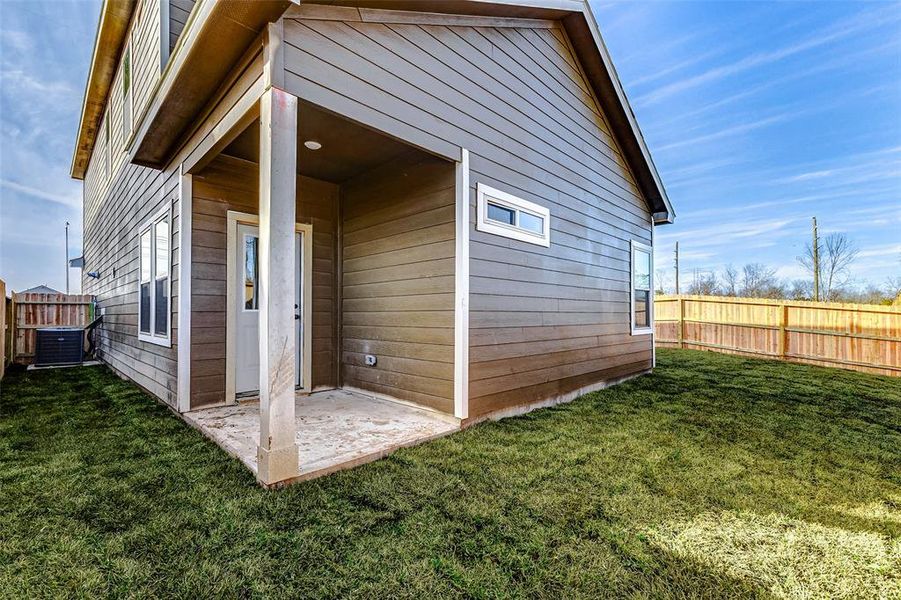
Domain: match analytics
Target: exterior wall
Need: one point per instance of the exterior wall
(544, 321)
(116, 206)
(398, 281)
(111, 247)
(143, 39)
(178, 16)
(231, 184)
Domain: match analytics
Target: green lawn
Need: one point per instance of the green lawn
(714, 476)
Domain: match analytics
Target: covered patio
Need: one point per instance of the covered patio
(336, 429)
(322, 283)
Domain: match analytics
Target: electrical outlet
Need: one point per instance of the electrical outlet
(371, 360)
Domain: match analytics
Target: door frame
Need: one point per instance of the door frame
(233, 219)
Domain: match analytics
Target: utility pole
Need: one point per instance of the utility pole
(816, 262)
(67, 258)
(677, 268)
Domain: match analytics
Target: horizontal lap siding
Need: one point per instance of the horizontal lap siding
(111, 247)
(398, 281)
(228, 184)
(178, 16)
(114, 209)
(543, 321)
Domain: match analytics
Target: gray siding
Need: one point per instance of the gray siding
(231, 184)
(114, 209)
(178, 16)
(111, 246)
(398, 281)
(543, 321)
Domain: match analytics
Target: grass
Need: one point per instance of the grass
(715, 476)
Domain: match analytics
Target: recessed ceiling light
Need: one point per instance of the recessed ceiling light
(312, 144)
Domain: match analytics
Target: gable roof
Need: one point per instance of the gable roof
(40, 289)
(181, 93)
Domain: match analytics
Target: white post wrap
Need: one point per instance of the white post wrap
(277, 457)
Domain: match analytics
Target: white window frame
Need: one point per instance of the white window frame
(488, 194)
(638, 246)
(128, 97)
(164, 214)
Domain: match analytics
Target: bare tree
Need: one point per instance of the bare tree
(705, 284)
(730, 280)
(800, 289)
(759, 281)
(893, 288)
(836, 254)
(661, 279)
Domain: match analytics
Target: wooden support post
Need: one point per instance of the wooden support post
(277, 457)
(681, 322)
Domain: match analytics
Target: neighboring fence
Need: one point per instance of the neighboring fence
(33, 311)
(861, 337)
(3, 329)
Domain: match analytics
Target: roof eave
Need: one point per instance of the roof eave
(112, 29)
(211, 44)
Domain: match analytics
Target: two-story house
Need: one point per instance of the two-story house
(441, 208)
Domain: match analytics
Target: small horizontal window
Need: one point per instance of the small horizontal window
(504, 214)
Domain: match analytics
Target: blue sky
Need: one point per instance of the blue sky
(758, 115)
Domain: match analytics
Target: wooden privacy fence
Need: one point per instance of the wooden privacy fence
(861, 337)
(4, 329)
(34, 311)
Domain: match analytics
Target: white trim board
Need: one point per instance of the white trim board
(485, 194)
(233, 218)
(632, 328)
(185, 224)
(461, 289)
(149, 225)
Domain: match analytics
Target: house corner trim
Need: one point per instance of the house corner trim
(461, 288)
(185, 207)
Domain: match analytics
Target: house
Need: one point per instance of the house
(435, 212)
(41, 289)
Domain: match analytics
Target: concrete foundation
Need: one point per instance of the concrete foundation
(336, 430)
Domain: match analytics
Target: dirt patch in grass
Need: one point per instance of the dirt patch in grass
(683, 483)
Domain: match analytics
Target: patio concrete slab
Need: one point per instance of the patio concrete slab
(336, 429)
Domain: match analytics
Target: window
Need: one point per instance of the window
(106, 148)
(642, 301)
(503, 214)
(126, 95)
(154, 303)
(251, 273)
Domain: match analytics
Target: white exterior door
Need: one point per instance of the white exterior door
(247, 314)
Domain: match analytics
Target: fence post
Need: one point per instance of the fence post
(681, 322)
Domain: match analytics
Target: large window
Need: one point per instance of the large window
(504, 214)
(154, 303)
(642, 301)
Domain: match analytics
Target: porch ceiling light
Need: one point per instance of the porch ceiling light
(312, 145)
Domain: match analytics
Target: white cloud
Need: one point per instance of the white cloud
(71, 200)
(825, 36)
(728, 131)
